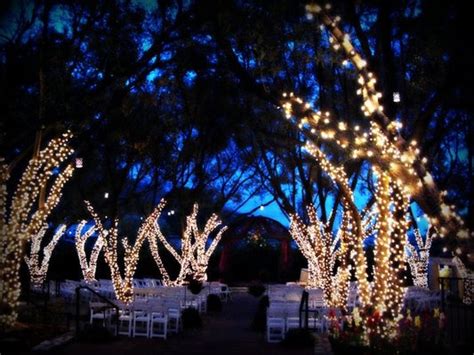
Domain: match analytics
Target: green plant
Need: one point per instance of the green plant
(191, 318)
(256, 289)
(299, 338)
(214, 303)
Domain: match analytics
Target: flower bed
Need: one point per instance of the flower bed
(367, 331)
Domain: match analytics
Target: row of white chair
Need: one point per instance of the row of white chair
(139, 319)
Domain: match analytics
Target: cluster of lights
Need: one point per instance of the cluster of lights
(22, 219)
(355, 242)
(88, 268)
(193, 257)
(386, 148)
(123, 286)
(401, 170)
(400, 202)
(310, 246)
(320, 248)
(401, 175)
(382, 243)
(38, 270)
(392, 225)
(418, 258)
(153, 230)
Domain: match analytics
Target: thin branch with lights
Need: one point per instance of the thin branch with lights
(88, 268)
(418, 256)
(123, 285)
(38, 269)
(322, 249)
(193, 257)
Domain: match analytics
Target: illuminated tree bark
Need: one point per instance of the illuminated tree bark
(88, 268)
(193, 257)
(23, 219)
(418, 258)
(402, 158)
(38, 270)
(321, 249)
(123, 285)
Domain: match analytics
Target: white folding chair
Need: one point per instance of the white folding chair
(99, 311)
(125, 322)
(275, 329)
(141, 323)
(174, 320)
(225, 293)
(158, 325)
(292, 323)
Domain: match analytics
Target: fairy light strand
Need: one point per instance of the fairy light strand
(193, 257)
(22, 219)
(37, 269)
(88, 268)
(418, 257)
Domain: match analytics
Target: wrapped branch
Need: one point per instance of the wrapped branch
(38, 270)
(23, 219)
(88, 268)
(193, 257)
(418, 257)
(320, 248)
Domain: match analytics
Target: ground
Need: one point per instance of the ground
(228, 333)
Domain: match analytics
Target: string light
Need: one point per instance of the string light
(394, 153)
(320, 248)
(37, 269)
(193, 257)
(88, 268)
(396, 166)
(339, 176)
(418, 258)
(123, 285)
(21, 219)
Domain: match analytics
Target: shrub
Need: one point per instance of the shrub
(195, 286)
(191, 318)
(259, 322)
(256, 289)
(214, 303)
(299, 338)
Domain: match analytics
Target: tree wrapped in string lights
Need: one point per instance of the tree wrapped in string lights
(382, 145)
(23, 218)
(418, 257)
(321, 249)
(88, 268)
(37, 269)
(399, 170)
(193, 257)
(123, 285)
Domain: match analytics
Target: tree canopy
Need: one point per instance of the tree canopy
(181, 98)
